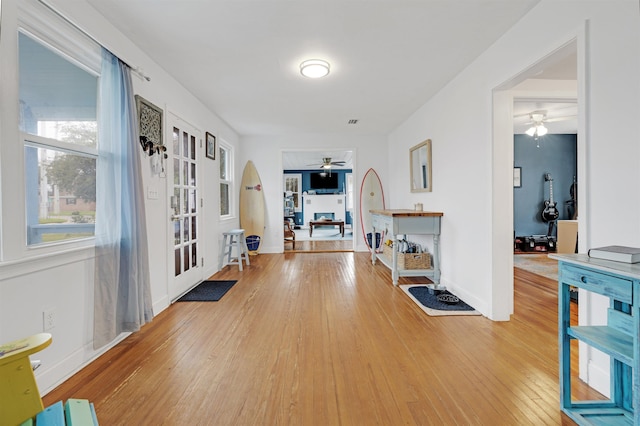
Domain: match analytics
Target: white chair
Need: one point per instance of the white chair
(234, 238)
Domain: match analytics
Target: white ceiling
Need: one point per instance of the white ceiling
(241, 57)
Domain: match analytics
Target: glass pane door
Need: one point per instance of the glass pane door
(185, 207)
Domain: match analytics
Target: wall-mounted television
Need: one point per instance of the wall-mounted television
(323, 180)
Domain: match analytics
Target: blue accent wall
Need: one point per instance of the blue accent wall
(556, 154)
(306, 183)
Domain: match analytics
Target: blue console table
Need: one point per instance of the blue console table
(620, 282)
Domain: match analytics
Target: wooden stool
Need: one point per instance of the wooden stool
(234, 238)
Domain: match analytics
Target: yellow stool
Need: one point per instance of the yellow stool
(234, 238)
(19, 395)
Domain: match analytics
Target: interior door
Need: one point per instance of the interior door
(185, 205)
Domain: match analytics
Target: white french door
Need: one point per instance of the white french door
(185, 205)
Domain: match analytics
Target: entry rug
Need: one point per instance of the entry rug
(432, 306)
(207, 291)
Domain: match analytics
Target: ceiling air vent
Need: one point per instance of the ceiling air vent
(353, 121)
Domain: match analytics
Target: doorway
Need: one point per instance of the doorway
(529, 84)
(318, 186)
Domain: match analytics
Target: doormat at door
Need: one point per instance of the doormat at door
(208, 291)
(432, 306)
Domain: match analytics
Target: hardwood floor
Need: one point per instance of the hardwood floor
(327, 246)
(328, 340)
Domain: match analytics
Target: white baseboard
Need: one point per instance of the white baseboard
(53, 376)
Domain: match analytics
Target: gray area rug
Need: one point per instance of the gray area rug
(537, 264)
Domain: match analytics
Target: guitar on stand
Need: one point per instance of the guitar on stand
(550, 212)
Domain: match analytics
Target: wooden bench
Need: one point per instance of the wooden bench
(20, 402)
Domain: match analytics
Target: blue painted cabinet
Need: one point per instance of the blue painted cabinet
(620, 282)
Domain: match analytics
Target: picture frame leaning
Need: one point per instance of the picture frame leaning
(210, 145)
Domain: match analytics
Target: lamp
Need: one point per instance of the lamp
(314, 68)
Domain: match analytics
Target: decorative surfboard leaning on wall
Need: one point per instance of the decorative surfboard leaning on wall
(252, 207)
(371, 198)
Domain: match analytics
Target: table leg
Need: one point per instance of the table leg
(394, 261)
(373, 252)
(436, 259)
(342, 229)
(310, 229)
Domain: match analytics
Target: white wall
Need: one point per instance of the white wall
(466, 163)
(29, 285)
(369, 151)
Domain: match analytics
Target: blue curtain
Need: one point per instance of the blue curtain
(122, 290)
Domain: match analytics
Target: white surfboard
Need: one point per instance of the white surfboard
(371, 198)
(252, 207)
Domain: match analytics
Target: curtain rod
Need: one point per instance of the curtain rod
(136, 70)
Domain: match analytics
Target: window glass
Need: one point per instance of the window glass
(224, 153)
(58, 104)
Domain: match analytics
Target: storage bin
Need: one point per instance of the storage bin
(408, 260)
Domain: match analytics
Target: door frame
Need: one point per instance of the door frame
(502, 169)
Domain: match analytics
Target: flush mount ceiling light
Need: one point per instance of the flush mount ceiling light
(314, 68)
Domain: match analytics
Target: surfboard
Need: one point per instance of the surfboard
(371, 198)
(252, 207)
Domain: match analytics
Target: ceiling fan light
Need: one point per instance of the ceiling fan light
(314, 68)
(541, 130)
(531, 131)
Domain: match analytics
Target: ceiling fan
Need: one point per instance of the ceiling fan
(537, 120)
(327, 163)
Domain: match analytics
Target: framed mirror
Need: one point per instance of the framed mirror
(420, 167)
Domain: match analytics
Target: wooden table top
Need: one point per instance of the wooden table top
(405, 213)
(326, 222)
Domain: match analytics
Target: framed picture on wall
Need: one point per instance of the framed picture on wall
(211, 146)
(293, 184)
(517, 177)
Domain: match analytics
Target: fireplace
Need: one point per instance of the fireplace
(331, 206)
(319, 216)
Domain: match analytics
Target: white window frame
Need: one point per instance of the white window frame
(229, 181)
(38, 22)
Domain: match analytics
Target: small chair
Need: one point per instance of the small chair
(289, 234)
(234, 238)
(19, 394)
(20, 402)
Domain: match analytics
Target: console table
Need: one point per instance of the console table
(620, 282)
(391, 223)
(338, 223)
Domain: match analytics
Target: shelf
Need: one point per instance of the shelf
(617, 339)
(594, 414)
(606, 339)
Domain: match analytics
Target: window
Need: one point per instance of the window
(349, 179)
(58, 124)
(226, 179)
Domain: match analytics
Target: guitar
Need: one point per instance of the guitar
(549, 212)
(574, 199)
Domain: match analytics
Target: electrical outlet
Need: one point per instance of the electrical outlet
(49, 319)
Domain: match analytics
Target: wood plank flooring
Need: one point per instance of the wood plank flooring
(326, 339)
(323, 246)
